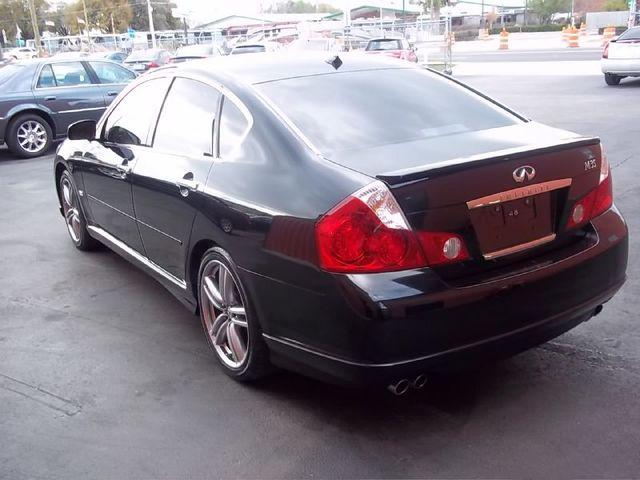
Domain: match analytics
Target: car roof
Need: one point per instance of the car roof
(253, 68)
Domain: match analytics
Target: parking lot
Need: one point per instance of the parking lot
(103, 374)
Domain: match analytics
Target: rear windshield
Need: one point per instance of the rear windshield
(365, 109)
(142, 56)
(633, 34)
(375, 45)
(8, 71)
(249, 49)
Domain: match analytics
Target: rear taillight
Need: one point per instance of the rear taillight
(152, 65)
(367, 232)
(605, 52)
(596, 202)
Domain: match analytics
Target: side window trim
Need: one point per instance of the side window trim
(155, 123)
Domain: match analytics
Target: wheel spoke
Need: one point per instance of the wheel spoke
(237, 310)
(212, 293)
(218, 329)
(226, 286)
(236, 343)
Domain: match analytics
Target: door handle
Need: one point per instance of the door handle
(49, 98)
(124, 168)
(186, 184)
(112, 94)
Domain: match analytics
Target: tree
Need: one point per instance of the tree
(99, 13)
(16, 12)
(615, 5)
(163, 18)
(432, 7)
(545, 8)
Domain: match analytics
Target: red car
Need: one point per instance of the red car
(392, 47)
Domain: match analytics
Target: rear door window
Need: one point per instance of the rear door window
(132, 120)
(111, 73)
(69, 74)
(187, 120)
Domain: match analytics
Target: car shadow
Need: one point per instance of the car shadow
(7, 155)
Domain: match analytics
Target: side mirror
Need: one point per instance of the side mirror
(82, 130)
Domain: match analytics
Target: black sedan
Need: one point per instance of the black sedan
(39, 99)
(356, 219)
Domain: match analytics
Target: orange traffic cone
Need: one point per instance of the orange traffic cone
(573, 37)
(504, 39)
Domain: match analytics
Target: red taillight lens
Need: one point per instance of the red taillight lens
(596, 202)
(367, 233)
(605, 52)
(152, 65)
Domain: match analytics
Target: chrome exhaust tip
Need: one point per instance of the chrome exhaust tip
(400, 387)
(419, 382)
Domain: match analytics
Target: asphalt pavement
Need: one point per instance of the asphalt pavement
(104, 375)
(538, 55)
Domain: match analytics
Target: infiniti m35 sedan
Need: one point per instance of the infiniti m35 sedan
(357, 219)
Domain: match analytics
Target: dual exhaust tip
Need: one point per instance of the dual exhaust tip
(403, 385)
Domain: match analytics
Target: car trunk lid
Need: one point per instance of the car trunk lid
(512, 196)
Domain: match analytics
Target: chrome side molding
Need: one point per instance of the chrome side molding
(126, 250)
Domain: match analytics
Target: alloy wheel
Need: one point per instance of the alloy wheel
(224, 314)
(71, 210)
(32, 136)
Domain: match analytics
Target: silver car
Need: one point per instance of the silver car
(39, 99)
(621, 57)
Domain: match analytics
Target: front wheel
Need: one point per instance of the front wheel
(229, 320)
(73, 216)
(611, 79)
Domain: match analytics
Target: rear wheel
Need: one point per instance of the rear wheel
(29, 135)
(229, 320)
(611, 79)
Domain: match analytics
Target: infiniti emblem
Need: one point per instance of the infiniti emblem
(523, 173)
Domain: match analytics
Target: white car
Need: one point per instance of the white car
(621, 57)
(22, 53)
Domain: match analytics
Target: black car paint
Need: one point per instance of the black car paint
(21, 94)
(346, 328)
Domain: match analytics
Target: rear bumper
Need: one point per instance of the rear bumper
(379, 328)
(621, 66)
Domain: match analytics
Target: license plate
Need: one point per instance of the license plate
(506, 224)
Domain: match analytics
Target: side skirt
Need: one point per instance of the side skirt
(172, 283)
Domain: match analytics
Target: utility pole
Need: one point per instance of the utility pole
(34, 24)
(151, 29)
(525, 13)
(86, 24)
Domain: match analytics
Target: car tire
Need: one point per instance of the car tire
(611, 79)
(29, 135)
(73, 216)
(235, 337)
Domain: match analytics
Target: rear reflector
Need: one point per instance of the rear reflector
(596, 202)
(367, 232)
(441, 248)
